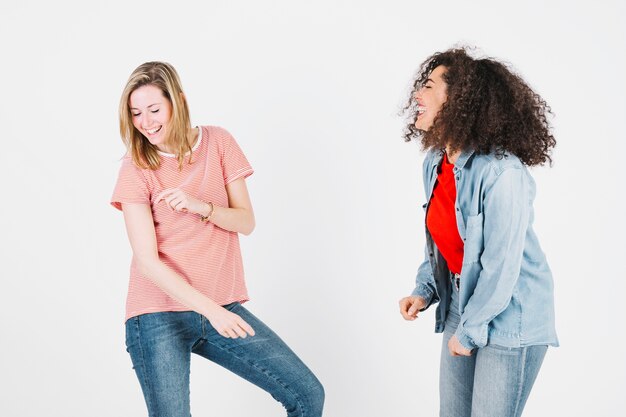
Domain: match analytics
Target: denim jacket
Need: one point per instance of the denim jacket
(506, 289)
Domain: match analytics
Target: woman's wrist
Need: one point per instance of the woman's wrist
(211, 308)
(207, 212)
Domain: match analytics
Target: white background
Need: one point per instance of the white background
(311, 91)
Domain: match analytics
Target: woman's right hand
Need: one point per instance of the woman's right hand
(410, 306)
(228, 324)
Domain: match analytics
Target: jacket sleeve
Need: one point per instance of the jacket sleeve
(506, 212)
(425, 286)
(425, 283)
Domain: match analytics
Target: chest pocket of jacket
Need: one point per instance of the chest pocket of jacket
(474, 241)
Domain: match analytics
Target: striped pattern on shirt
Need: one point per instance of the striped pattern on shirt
(206, 256)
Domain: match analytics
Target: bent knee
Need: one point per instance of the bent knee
(312, 400)
(318, 394)
(304, 399)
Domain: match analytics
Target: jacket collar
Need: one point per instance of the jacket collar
(460, 161)
(463, 158)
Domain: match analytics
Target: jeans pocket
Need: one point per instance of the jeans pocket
(503, 350)
(232, 306)
(132, 332)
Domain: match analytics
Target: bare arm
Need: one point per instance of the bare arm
(142, 236)
(237, 217)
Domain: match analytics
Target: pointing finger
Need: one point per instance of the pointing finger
(164, 193)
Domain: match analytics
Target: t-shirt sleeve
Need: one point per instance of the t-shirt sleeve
(131, 186)
(235, 165)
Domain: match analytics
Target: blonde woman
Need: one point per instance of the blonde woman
(183, 193)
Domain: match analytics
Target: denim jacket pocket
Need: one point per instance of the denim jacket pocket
(473, 245)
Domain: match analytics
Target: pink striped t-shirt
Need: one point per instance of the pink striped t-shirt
(205, 255)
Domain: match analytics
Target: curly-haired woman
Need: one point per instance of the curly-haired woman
(482, 126)
(183, 193)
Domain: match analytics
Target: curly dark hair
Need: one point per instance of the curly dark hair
(488, 108)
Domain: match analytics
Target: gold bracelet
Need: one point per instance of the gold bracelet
(207, 219)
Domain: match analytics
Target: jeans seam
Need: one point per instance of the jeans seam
(265, 372)
(201, 339)
(148, 396)
(520, 388)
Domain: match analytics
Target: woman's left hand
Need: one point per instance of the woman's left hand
(456, 348)
(177, 200)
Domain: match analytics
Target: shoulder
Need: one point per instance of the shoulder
(217, 136)
(506, 173)
(131, 173)
(216, 132)
(129, 166)
(494, 165)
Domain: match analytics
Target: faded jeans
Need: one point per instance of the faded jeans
(160, 346)
(494, 382)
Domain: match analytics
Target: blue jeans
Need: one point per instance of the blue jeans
(494, 382)
(160, 347)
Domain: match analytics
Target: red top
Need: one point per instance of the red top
(441, 217)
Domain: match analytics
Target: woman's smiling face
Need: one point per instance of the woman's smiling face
(430, 98)
(151, 113)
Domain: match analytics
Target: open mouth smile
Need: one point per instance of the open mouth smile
(153, 131)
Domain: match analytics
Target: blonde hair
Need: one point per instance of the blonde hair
(163, 76)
